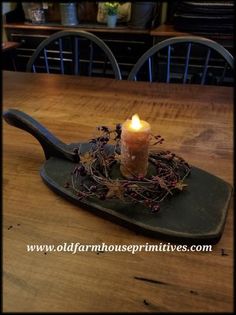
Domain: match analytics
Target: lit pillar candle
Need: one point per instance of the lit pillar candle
(135, 137)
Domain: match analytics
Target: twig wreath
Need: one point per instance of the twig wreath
(96, 164)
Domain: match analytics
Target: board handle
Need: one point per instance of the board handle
(51, 145)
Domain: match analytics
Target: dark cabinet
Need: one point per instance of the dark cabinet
(126, 44)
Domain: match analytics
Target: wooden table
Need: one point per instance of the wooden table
(196, 122)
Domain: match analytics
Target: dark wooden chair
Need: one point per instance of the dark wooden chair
(74, 52)
(185, 59)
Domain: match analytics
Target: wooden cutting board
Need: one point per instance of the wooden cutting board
(196, 215)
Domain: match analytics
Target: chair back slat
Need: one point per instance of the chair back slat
(203, 80)
(46, 59)
(187, 63)
(76, 56)
(150, 69)
(61, 56)
(90, 68)
(168, 65)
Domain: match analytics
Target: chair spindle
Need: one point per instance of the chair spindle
(150, 69)
(187, 63)
(206, 66)
(61, 56)
(90, 59)
(46, 59)
(168, 65)
(76, 69)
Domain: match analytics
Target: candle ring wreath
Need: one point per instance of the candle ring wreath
(93, 176)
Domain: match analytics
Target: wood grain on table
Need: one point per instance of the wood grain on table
(196, 122)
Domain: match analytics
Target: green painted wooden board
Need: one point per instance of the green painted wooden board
(196, 215)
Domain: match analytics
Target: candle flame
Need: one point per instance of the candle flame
(135, 122)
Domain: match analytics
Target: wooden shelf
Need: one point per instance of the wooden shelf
(86, 27)
(167, 30)
(164, 30)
